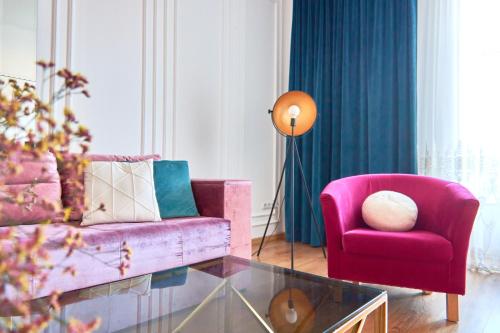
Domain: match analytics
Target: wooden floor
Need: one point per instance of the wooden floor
(409, 310)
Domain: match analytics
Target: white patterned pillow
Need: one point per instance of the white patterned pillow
(125, 189)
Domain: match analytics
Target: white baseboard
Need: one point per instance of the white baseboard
(259, 225)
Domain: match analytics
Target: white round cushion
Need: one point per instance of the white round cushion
(389, 211)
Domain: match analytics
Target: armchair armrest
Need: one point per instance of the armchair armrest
(341, 202)
(458, 209)
(231, 200)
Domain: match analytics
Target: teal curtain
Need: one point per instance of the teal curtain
(357, 59)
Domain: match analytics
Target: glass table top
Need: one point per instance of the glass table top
(229, 294)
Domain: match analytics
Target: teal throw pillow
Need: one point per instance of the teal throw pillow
(173, 189)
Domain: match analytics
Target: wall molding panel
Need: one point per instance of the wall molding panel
(53, 44)
(190, 79)
(143, 74)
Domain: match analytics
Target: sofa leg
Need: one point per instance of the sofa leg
(426, 292)
(452, 308)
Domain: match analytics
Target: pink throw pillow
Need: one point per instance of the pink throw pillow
(40, 180)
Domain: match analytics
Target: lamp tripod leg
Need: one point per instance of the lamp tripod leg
(274, 201)
(308, 194)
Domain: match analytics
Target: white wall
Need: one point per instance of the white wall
(189, 79)
(17, 39)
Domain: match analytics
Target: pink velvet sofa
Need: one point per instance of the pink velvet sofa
(431, 257)
(222, 228)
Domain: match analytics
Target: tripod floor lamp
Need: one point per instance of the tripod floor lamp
(293, 115)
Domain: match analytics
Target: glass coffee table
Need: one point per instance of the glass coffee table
(229, 294)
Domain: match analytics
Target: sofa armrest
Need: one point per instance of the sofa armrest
(231, 200)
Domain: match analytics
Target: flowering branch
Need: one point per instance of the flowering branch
(30, 127)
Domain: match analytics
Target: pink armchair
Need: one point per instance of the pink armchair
(431, 257)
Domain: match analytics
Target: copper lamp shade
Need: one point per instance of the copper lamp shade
(305, 313)
(294, 104)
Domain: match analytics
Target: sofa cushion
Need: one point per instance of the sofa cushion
(203, 238)
(95, 265)
(72, 189)
(171, 243)
(156, 246)
(39, 181)
(173, 189)
(126, 191)
(412, 245)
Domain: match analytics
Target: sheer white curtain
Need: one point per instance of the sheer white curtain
(458, 77)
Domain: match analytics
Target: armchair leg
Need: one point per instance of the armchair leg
(452, 308)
